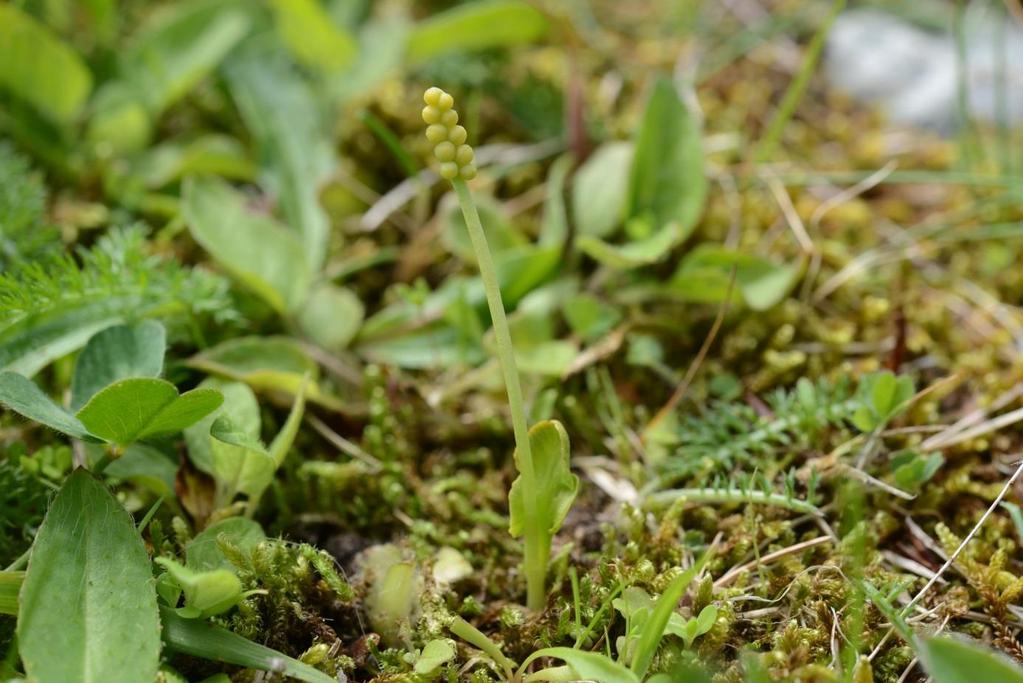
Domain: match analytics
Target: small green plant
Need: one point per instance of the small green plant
(543, 493)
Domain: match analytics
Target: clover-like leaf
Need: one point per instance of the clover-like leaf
(116, 353)
(21, 395)
(137, 408)
(556, 486)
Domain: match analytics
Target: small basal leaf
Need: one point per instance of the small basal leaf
(556, 485)
(668, 183)
(88, 605)
(240, 407)
(585, 666)
(957, 660)
(633, 254)
(600, 190)
(118, 352)
(476, 26)
(254, 249)
(331, 316)
(39, 68)
(312, 36)
(240, 463)
(21, 395)
(435, 654)
(137, 408)
(207, 593)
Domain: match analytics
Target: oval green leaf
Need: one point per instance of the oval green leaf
(88, 605)
(118, 352)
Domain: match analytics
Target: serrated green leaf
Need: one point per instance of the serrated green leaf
(240, 407)
(88, 594)
(556, 485)
(254, 249)
(21, 395)
(476, 26)
(957, 660)
(667, 181)
(203, 552)
(137, 408)
(588, 666)
(199, 639)
(39, 68)
(116, 353)
(207, 593)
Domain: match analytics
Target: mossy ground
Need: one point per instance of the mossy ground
(906, 275)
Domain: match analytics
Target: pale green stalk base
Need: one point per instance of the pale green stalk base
(537, 551)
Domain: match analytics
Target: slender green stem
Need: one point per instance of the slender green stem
(535, 561)
(472, 635)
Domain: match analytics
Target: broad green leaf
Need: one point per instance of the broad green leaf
(476, 26)
(180, 47)
(290, 127)
(957, 660)
(240, 407)
(118, 352)
(556, 486)
(641, 252)
(551, 358)
(207, 593)
(137, 408)
(199, 639)
(147, 467)
(381, 52)
(240, 463)
(435, 654)
(312, 36)
(10, 586)
(705, 273)
(667, 181)
(203, 552)
(653, 630)
(254, 249)
(89, 593)
(39, 68)
(270, 364)
(331, 316)
(588, 666)
(600, 190)
(21, 395)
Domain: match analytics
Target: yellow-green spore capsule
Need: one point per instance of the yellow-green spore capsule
(457, 135)
(449, 170)
(436, 133)
(468, 172)
(432, 96)
(449, 118)
(445, 151)
(464, 155)
(445, 101)
(431, 115)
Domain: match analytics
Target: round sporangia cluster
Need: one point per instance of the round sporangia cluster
(448, 138)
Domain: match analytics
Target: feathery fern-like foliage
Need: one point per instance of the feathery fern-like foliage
(729, 433)
(51, 306)
(24, 233)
